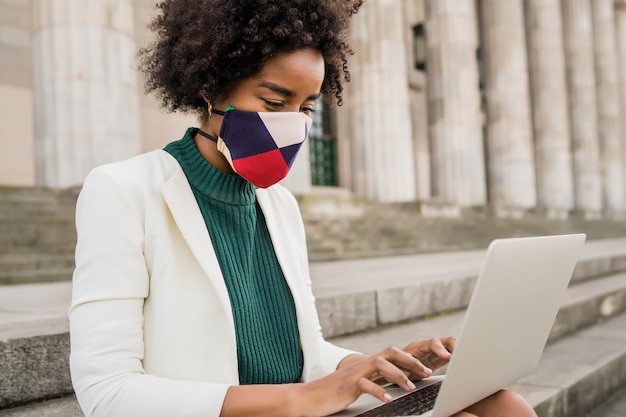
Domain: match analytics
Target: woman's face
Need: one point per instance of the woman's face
(288, 82)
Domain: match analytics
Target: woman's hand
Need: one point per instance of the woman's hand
(358, 374)
(433, 353)
(354, 376)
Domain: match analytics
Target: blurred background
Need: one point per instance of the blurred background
(514, 105)
(465, 120)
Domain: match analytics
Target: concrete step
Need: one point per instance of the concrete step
(352, 296)
(58, 407)
(357, 295)
(614, 406)
(12, 261)
(575, 375)
(36, 233)
(34, 343)
(338, 225)
(36, 224)
(581, 373)
(36, 276)
(58, 248)
(348, 229)
(37, 203)
(590, 302)
(50, 208)
(33, 267)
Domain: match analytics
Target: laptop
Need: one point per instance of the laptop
(517, 296)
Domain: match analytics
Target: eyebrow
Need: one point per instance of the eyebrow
(284, 91)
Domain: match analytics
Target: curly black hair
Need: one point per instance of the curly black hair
(204, 47)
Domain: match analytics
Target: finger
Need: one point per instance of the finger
(433, 353)
(434, 362)
(422, 348)
(449, 343)
(392, 373)
(438, 356)
(406, 362)
(441, 348)
(377, 378)
(368, 387)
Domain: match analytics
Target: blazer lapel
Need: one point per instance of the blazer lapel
(184, 208)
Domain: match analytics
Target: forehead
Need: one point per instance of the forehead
(299, 70)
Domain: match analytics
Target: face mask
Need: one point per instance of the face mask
(261, 146)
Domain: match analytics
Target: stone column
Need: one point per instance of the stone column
(85, 87)
(609, 112)
(509, 134)
(620, 22)
(377, 115)
(581, 85)
(414, 14)
(553, 160)
(16, 107)
(454, 118)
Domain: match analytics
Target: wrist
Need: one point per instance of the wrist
(296, 400)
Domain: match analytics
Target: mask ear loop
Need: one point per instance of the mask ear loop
(210, 111)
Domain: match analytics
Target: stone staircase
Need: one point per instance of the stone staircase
(37, 235)
(382, 274)
(340, 226)
(583, 364)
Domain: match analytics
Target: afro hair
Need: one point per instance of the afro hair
(204, 47)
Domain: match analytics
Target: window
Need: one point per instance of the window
(419, 47)
(323, 147)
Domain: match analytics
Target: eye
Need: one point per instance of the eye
(273, 105)
(307, 110)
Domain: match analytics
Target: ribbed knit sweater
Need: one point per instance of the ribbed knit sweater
(268, 347)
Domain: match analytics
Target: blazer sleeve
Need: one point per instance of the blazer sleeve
(110, 284)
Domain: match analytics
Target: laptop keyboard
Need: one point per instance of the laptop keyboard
(414, 403)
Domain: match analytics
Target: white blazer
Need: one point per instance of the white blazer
(151, 326)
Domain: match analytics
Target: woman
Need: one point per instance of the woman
(191, 292)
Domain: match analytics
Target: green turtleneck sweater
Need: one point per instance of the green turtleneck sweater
(268, 347)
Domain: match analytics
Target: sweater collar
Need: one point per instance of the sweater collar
(207, 180)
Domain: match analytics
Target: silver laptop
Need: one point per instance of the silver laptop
(515, 301)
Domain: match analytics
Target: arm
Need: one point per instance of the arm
(327, 395)
(110, 284)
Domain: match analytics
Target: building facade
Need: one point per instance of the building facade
(512, 105)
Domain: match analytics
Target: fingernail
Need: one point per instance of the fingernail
(428, 371)
(411, 385)
(387, 397)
